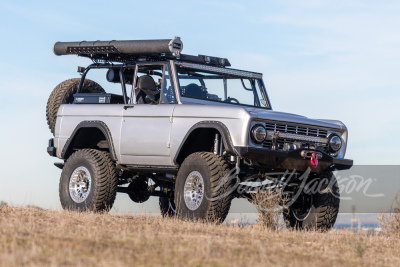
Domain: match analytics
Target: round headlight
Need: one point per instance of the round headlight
(258, 134)
(335, 143)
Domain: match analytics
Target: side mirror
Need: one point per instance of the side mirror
(150, 99)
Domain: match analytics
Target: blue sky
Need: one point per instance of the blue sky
(322, 59)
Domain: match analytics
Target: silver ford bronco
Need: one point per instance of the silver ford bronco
(189, 130)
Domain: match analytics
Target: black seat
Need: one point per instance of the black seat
(194, 90)
(146, 86)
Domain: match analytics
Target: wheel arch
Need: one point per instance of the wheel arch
(88, 134)
(206, 130)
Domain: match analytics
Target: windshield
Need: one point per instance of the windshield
(222, 88)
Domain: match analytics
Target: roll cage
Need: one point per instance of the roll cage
(129, 71)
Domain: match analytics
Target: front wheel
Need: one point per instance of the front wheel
(203, 188)
(88, 181)
(315, 210)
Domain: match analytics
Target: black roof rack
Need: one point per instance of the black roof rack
(132, 51)
(207, 60)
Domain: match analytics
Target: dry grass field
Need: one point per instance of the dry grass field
(35, 237)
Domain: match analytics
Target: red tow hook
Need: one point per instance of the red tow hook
(313, 161)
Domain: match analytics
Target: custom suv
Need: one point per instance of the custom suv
(189, 130)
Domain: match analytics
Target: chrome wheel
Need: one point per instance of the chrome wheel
(193, 190)
(79, 184)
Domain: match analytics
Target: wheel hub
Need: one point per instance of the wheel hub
(80, 184)
(194, 190)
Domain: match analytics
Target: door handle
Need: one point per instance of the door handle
(126, 107)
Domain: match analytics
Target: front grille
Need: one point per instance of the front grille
(299, 135)
(297, 129)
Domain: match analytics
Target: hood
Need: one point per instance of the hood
(288, 117)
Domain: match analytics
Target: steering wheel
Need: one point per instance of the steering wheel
(232, 100)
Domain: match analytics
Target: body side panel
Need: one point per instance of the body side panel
(188, 115)
(71, 115)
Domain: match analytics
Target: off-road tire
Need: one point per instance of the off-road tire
(64, 94)
(103, 186)
(167, 207)
(324, 207)
(218, 189)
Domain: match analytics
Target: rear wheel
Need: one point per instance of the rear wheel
(203, 190)
(316, 210)
(64, 94)
(88, 181)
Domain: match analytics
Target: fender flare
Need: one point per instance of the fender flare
(91, 124)
(220, 127)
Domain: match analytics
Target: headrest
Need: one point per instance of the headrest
(147, 85)
(193, 90)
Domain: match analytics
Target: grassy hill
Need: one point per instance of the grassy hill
(35, 237)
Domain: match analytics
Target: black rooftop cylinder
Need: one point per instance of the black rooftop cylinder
(174, 46)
